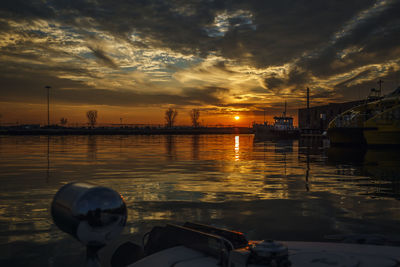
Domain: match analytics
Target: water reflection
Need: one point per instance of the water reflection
(236, 147)
(381, 166)
(48, 160)
(307, 185)
(281, 190)
(195, 147)
(170, 147)
(283, 146)
(346, 156)
(92, 147)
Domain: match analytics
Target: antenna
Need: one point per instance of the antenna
(284, 113)
(308, 108)
(48, 104)
(380, 87)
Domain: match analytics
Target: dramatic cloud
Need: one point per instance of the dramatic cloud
(101, 55)
(288, 82)
(218, 55)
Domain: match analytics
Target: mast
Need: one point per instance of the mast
(48, 104)
(308, 108)
(284, 113)
(380, 87)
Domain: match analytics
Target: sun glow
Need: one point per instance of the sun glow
(237, 118)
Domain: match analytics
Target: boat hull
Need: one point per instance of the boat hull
(374, 123)
(301, 254)
(382, 137)
(276, 134)
(346, 136)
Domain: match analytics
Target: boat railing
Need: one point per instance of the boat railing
(349, 119)
(389, 116)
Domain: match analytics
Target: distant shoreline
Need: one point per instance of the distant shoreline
(125, 131)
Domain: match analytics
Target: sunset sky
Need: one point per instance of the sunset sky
(134, 59)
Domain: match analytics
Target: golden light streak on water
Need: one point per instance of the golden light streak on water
(236, 147)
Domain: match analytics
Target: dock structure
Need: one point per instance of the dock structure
(317, 118)
(313, 121)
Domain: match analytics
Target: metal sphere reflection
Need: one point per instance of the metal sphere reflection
(92, 214)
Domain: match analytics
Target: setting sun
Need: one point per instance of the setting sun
(237, 117)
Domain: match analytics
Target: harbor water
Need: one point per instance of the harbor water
(280, 190)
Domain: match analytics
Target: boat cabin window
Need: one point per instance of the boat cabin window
(283, 121)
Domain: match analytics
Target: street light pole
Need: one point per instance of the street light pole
(48, 105)
(264, 115)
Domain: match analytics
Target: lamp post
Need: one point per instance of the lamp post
(264, 114)
(48, 105)
(308, 119)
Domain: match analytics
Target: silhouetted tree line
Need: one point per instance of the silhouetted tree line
(92, 117)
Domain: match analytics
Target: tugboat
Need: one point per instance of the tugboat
(282, 128)
(377, 122)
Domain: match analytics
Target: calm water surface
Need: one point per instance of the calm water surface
(280, 190)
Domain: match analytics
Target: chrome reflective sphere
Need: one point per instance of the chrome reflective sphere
(92, 214)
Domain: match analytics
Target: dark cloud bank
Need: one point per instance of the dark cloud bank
(28, 87)
(284, 31)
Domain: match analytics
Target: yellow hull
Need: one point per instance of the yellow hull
(382, 137)
(374, 123)
(346, 136)
(384, 128)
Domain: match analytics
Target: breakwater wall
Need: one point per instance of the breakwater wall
(125, 131)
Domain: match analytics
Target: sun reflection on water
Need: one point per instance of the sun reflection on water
(236, 147)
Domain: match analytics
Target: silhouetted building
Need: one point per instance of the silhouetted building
(319, 117)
